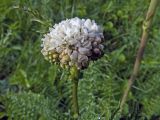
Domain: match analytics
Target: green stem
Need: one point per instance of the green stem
(74, 76)
(147, 24)
(75, 99)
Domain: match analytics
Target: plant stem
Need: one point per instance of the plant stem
(74, 76)
(75, 99)
(146, 25)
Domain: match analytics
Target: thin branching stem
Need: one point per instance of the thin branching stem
(146, 26)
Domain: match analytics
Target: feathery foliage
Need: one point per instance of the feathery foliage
(33, 89)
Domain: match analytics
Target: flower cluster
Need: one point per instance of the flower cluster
(73, 42)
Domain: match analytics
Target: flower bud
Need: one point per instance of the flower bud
(74, 56)
(98, 40)
(97, 51)
(84, 51)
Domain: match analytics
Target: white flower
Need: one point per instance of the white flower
(73, 42)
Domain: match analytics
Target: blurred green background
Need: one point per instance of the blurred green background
(33, 89)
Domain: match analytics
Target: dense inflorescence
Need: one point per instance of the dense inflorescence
(73, 42)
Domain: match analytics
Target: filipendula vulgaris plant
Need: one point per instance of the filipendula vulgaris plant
(72, 44)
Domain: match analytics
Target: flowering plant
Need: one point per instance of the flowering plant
(73, 43)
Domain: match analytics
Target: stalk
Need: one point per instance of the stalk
(146, 26)
(74, 77)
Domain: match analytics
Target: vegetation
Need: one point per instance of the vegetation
(33, 89)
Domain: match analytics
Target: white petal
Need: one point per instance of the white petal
(88, 23)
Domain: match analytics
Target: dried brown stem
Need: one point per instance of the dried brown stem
(146, 25)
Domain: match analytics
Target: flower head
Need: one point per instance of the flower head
(73, 42)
